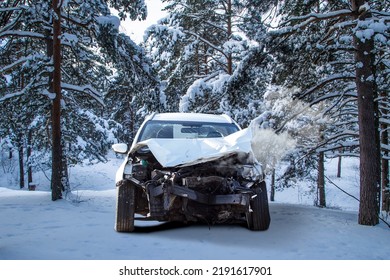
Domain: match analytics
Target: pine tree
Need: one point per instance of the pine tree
(67, 79)
(197, 49)
(340, 44)
(134, 91)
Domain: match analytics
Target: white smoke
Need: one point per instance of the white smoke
(269, 148)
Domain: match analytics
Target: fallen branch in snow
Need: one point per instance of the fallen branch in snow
(334, 184)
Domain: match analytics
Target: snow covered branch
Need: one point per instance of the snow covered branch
(75, 20)
(310, 18)
(12, 9)
(342, 103)
(321, 16)
(14, 64)
(12, 95)
(17, 33)
(381, 13)
(18, 62)
(14, 22)
(336, 142)
(84, 89)
(17, 93)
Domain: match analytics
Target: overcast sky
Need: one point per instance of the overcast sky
(135, 29)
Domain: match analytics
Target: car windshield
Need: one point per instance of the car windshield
(186, 130)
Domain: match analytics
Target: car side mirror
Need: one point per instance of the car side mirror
(120, 148)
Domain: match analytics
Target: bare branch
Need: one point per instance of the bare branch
(208, 23)
(206, 42)
(325, 82)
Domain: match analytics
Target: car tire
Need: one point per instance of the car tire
(125, 208)
(259, 218)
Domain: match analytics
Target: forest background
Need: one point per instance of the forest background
(314, 71)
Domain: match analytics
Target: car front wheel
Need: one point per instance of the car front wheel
(259, 218)
(125, 208)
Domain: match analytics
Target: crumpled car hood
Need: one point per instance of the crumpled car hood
(186, 152)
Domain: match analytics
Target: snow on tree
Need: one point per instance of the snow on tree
(290, 117)
(134, 90)
(339, 47)
(198, 47)
(66, 68)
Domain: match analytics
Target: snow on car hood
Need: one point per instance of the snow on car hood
(185, 152)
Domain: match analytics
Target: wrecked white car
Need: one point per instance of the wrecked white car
(190, 167)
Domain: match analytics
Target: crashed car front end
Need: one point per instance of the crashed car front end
(193, 180)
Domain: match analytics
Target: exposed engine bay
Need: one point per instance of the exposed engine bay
(212, 191)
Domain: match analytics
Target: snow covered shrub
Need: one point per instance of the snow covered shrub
(269, 148)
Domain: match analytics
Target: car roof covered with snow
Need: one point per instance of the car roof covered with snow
(198, 117)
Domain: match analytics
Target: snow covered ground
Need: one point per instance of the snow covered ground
(81, 227)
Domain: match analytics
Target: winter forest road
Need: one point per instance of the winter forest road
(34, 227)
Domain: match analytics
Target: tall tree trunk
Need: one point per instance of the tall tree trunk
(21, 161)
(369, 154)
(339, 165)
(385, 170)
(64, 175)
(229, 35)
(56, 186)
(132, 121)
(197, 60)
(206, 60)
(29, 152)
(321, 181)
(385, 182)
(321, 200)
(272, 198)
